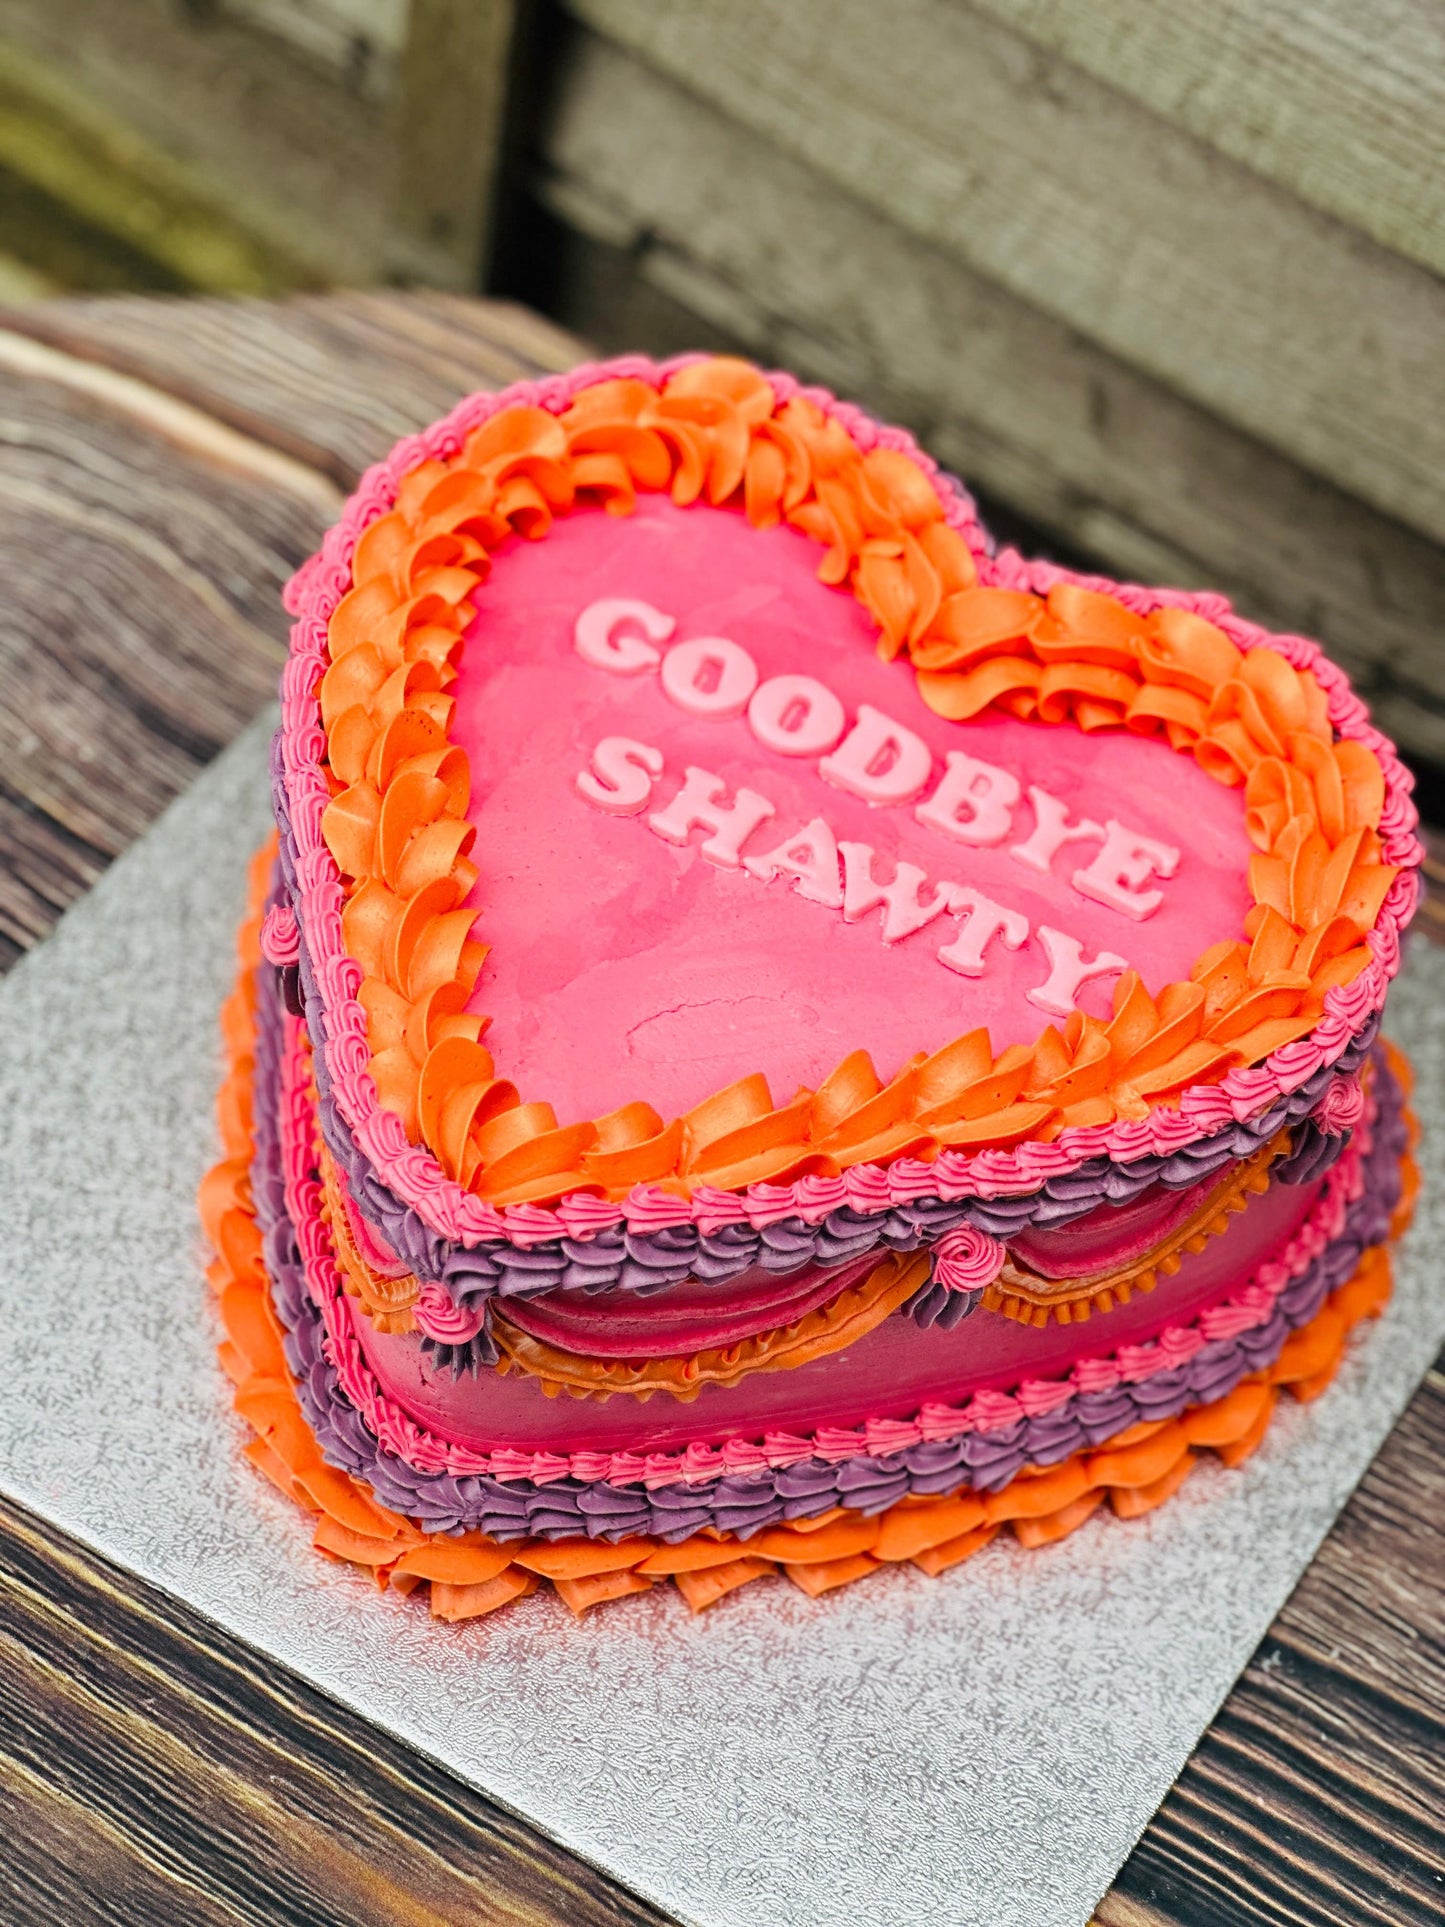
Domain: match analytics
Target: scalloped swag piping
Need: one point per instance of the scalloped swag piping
(457, 1214)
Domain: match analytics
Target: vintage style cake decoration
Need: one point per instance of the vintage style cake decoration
(930, 1002)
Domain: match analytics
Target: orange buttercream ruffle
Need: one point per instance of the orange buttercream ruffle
(472, 1575)
(386, 1301)
(713, 433)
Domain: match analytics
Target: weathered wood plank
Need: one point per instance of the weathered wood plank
(1342, 104)
(257, 145)
(171, 418)
(362, 40)
(333, 380)
(150, 520)
(184, 109)
(762, 249)
(1190, 267)
(145, 545)
(141, 624)
(126, 190)
(153, 1769)
(449, 125)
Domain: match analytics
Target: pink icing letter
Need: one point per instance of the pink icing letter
(620, 779)
(696, 807)
(903, 910)
(1068, 969)
(983, 920)
(597, 640)
(710, 676)
(878, 759)
(795, 715)
(1122, 864)
(810, 858)
(974, 802)
(1052, 831)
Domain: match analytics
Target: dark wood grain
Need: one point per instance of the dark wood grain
(144, 561)
(153, 1770)
(142, 629)
(332, 380)
(1316, 1794)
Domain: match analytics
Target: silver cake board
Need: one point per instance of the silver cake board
(981, 1748)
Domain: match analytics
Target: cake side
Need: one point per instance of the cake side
(599, 1530)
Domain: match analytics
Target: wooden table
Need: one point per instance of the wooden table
(164, 467)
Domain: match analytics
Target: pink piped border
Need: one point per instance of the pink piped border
(416, 1177)
(1244, 1309)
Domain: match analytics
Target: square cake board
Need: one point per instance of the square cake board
(982, 1748)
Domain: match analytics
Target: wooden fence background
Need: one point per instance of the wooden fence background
(1162, 279)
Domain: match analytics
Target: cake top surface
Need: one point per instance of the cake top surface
(779, 830)
(626, 962)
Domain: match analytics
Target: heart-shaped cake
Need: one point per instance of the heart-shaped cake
(775, 1037)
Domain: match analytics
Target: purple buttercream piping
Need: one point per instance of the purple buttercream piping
(744, 1503)
(1313, 1152)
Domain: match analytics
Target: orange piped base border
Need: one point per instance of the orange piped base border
(473, 1575)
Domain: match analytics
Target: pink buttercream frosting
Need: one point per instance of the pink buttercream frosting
(1039, 1396)
(280, 935)
(530, 1224)
(713, 1210)
(866, 1188)
(647, 1208)
(370, 1242)
(967, 1259)
(910, 1179)
(1341, 1107)
(816, 1198)
(583, 1216)
(439, 1315)
(766, 1204)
